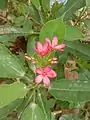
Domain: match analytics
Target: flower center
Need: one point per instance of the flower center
(44, 74)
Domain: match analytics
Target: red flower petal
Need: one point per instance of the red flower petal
(39, 70)
(47, 69)
(46, 81)
(54, 41)
(39, 46)
(39, 79)
(51, 74)
(59, 47)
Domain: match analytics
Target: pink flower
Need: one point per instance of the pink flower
(42, 49)
(54, 45)
(44, 75)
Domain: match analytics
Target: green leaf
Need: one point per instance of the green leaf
(57, 30)
(62, 104)
(56, 6)
(53, 117)
(46, 4)
(70, 7)
(87, 23)
(11, 92)
(84, 74)
(80, 48)
(71, 90)
(8, 39)
(7, 109)
(30, 45)
(88, 3)
(73, 33)
(33, 112)
(30, 50)
(24, 8)
(70, 117)
(10, 65)
(3, 4)
(36, 3)
(19, 20)
(36, 13)
(9, 30)
(51, 103)
(42, 103)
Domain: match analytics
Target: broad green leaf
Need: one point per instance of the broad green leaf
(53, 28)
(88, 3)
(51, 103)
(36, 13)
(30, 50)
(26, 101)
(33, 112)
(3, 4)
(78, 47)
(46, 4)
(70, 7)
(36, 3)
(19, 21)
(70, 117)
(56, 6)
(52, 117)
(8, 39)
(9, 30)
(4, 118)
(42, 103)
(30, 45)
(73, 33)
(84, 74)
(10, 65)
(8, 108)
(11, 92)
(62, 104)
(87, 23)
(71, 90)
(25, 9)
(24, 22)
(27, 26)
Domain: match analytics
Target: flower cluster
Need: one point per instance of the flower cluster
(44, 75)
(45, 49)
(44, 72)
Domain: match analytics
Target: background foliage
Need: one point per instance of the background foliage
(22, 22)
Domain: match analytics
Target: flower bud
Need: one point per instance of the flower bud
(34, 62)
(54, 62)
(27, 58)
(32, 57)
(54, 58)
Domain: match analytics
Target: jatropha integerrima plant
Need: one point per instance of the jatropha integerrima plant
(44, 70)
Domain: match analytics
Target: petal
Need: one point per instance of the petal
(39, 70)
(46, 81)
(48, 41)
(61, 50)
(39, 79)
(47, 69)
(45, 47)
(54, 41)
(35, 50)
(59, 47)
(51, 74)
(39, 46)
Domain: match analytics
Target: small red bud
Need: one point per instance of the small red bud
(54, 58)
(54, 62)
(34, 62)
(27, 58)
(32, 57)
